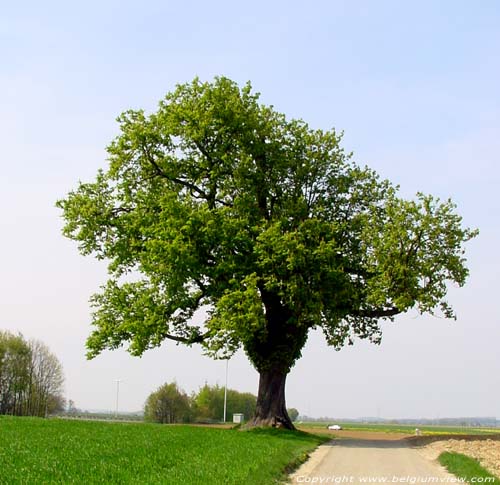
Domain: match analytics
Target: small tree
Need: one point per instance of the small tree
(222, 204)
(293, 413)
(15, 359)
(46, 381)
(168, 405)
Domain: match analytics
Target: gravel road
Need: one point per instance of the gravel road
(370, 461)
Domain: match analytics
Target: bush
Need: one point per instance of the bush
(167, 405)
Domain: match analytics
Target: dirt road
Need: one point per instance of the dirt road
(361, 461)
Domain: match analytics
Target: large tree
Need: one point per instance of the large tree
(220, 210)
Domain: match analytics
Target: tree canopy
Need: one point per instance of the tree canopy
(218, 206)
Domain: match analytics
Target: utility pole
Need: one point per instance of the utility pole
(225, 392)
(117, 395)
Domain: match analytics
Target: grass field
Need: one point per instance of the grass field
(38, 451)
(467, 468)
(399, 428)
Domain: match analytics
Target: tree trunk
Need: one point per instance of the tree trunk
(271, 407)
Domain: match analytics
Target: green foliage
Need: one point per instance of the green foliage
(168, 404)
(15, 358)
(466, 468)
(209, 403)
(220, 204)
(67, 451)
(31, 377)
(292, 413)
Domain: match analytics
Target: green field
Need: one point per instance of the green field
(400, 428)
(41, 451)
(468, 468)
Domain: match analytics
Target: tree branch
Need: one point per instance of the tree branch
(359, 272)
(203, 151)
(118, 210)
(195, 339)
(378, 313)
(192, 187)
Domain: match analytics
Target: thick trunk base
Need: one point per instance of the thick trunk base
(271, 408)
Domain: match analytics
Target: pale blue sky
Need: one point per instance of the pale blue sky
(415, 87)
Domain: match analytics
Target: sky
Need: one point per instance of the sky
(414, 86)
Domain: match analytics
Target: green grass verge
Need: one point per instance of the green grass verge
(39, 451)
(466, 468)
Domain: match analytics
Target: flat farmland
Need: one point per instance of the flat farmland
(361, 430)
(49, 451)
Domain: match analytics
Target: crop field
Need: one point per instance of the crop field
(40, 451)
(400, 428)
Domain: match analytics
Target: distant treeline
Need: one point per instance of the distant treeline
(477, 422)
(31, 377)
(462, 422)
